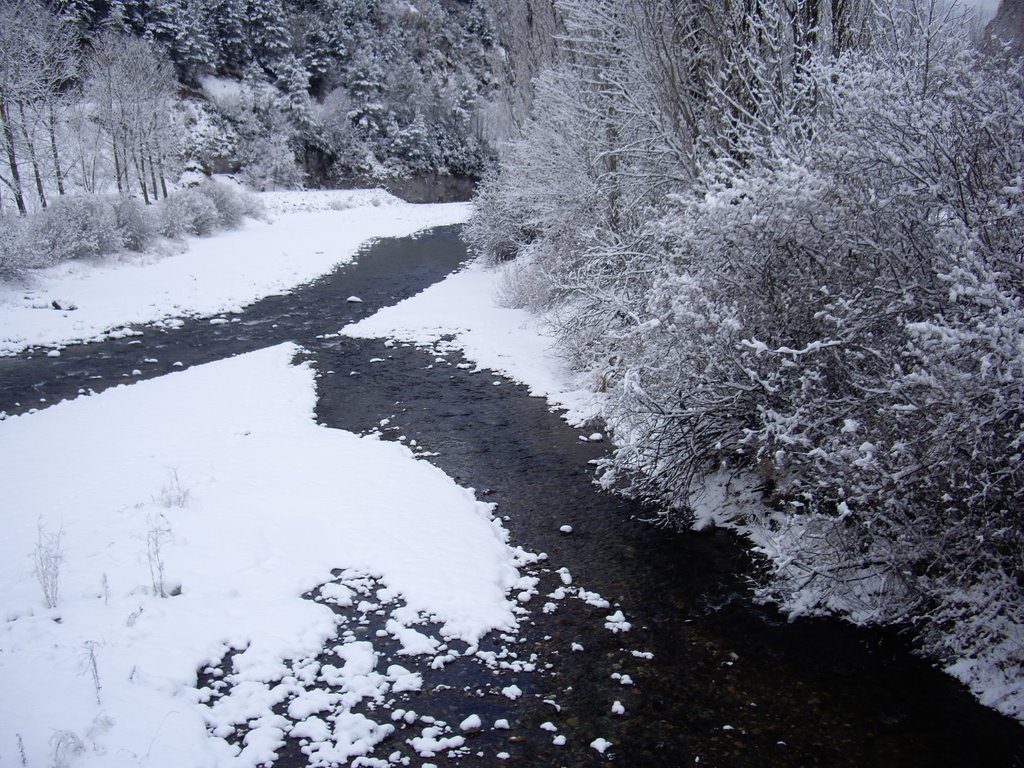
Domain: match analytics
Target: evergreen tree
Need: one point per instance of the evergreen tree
(266, 31)
(232, 50)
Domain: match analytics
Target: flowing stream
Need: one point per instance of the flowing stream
(715, 679)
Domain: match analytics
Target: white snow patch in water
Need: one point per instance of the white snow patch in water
(617, 623)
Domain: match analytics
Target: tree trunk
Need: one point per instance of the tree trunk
(12, 160)
(52, 127)
(126, 166)
(117, 164)
(32, 156)
(163, 180)
(140, 167)
(152, 171)
(152, 178)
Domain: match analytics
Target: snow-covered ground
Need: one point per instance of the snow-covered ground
(307, 234)
(215, 486)
(171, 527)
(461, 313)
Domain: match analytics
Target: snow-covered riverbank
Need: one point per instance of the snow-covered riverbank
(461, 312)
(215, 487)
(307, 234)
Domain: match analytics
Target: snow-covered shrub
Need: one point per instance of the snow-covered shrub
(15, 255)
(523, 285)
(210, 138)
(48, 557)
(270, 164)
(135, 223)
(829, 308)
(545, 197)
(67, 746)
(187, 212)
(173, 493)
(158, 533)
(230, 205)
(75, 226)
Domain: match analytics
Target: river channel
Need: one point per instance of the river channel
(713, 679)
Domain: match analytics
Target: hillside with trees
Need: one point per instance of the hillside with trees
(99, 96)
(787, 238)
(110, 111)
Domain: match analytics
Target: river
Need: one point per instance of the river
(715, 679)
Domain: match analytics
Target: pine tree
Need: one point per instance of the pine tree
(232, 49)
(267, 34)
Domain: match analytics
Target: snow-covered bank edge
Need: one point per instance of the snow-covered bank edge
(214, 486)
(737, 503)
(461, 313)
(307, 236)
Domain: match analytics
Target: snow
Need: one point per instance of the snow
(271, 503)
(507, 341)
(222, 88)
(251, 504)
(617, 623)
(431, 742)
(311, 234)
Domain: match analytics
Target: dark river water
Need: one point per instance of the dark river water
(716, 679)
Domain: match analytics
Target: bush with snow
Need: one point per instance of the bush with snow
(84, 225)
(228, 204)
(74, 227)
(15, 259)
(820, 296)
(135, 224)
(187, 212)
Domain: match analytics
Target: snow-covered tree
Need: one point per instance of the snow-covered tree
(130, 85)
(37, 59)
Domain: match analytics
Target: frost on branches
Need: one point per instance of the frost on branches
(794, 259)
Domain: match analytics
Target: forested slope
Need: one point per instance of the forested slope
(787, 239)
(317, 92)
(109, 109)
